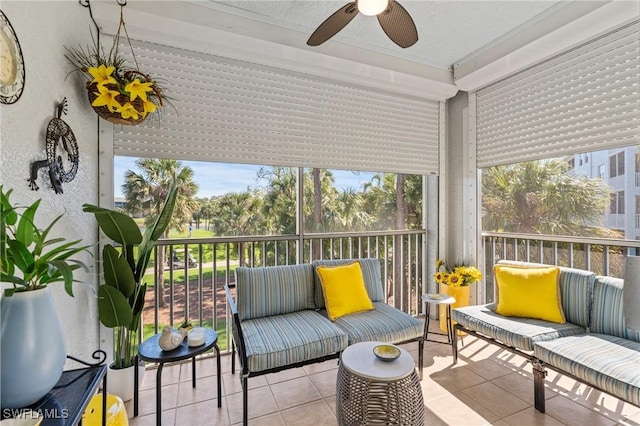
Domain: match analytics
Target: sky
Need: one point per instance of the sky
(220, 178)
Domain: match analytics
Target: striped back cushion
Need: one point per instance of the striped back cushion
(608, 314)
(273, 290)
(370, 272)
(576, 286)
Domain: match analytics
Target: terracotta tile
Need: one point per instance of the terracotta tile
(331, 403)
(456, 378)
(495, 399)
(432, 419)
(206, 388)
(530, 416)
(331, 364)
(147, 400)
(489, 369)
(519, 385)
(292, 373)
(170, 375)
(231, 383)
(274, 419)
(571, 413)
(202, 413)
(204, 367)
(325, 382)
(314, 413)
(294, 392)
(261, 403)
(168, 419)
(460, 410)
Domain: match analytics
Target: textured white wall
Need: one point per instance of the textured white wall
(44, 28)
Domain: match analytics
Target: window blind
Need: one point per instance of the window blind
(226, 110)
(582, 100)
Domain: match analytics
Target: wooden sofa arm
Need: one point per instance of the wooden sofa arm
(237, 342)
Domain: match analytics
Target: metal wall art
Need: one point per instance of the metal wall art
(59, 137)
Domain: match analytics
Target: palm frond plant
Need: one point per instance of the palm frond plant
(121, 297)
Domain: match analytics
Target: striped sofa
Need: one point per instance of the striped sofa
(594, 346)
(280, 321)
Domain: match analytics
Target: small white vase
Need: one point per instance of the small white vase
(120, 381)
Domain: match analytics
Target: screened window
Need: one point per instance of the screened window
(617, 203)
(616, 165)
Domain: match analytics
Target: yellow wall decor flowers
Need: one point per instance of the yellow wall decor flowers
(456, 275)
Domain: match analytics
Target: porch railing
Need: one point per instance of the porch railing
(600, 255)
(209, 263)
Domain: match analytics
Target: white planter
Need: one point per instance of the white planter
(32, 349)
(120, 381)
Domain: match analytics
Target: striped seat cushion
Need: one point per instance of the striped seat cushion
(520, 333)
(608, 309)
(273, 290)
(383, 324)
(286, 339)
(576, 286)
(608, 362)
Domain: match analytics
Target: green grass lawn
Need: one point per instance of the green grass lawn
(178, 274)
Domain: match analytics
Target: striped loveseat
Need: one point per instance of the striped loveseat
(280, 320)
(594, 346)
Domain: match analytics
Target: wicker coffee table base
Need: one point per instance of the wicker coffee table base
(362, 401)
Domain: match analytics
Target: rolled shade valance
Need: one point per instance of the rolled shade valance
(582, 100)
(239, 112)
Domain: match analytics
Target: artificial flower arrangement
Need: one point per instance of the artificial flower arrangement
(456, 275)
(117, 93)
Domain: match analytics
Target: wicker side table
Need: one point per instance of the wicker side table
(370, 391)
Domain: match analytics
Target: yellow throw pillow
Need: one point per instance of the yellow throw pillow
(344, 290)
(529, 293)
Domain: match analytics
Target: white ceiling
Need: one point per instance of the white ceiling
(448, 30)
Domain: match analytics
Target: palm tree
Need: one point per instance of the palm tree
(146, 190)
(540, 197)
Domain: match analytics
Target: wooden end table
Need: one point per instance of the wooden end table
(150, 351)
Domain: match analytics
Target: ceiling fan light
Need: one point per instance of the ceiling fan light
(372, 7)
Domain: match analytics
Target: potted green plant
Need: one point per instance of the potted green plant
(32, 347)
(121, 297)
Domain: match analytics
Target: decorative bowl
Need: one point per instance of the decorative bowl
(386, 353)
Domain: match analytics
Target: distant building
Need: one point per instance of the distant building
(620, 169)
(119, 203)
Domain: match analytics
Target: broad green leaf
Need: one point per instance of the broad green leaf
(9, 214)
(113, 308)
(138, 305)
(66, 271)
(118, 226)
(20, 256)
(26, 227)
(117, 272)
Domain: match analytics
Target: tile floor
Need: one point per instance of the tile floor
(487, 386)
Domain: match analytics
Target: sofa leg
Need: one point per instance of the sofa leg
(455, 345)
(233, 357)
(245, 400)
(420, 357)
(539, 374)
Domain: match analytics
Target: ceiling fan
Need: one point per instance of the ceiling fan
(394, 20)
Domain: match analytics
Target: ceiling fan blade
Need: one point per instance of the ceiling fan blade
(398, 25)
(333, 24)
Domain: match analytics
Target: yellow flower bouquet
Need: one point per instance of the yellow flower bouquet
(117, 93)
(456, 275)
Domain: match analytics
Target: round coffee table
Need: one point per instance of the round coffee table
(150, 351)
(370, 391)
